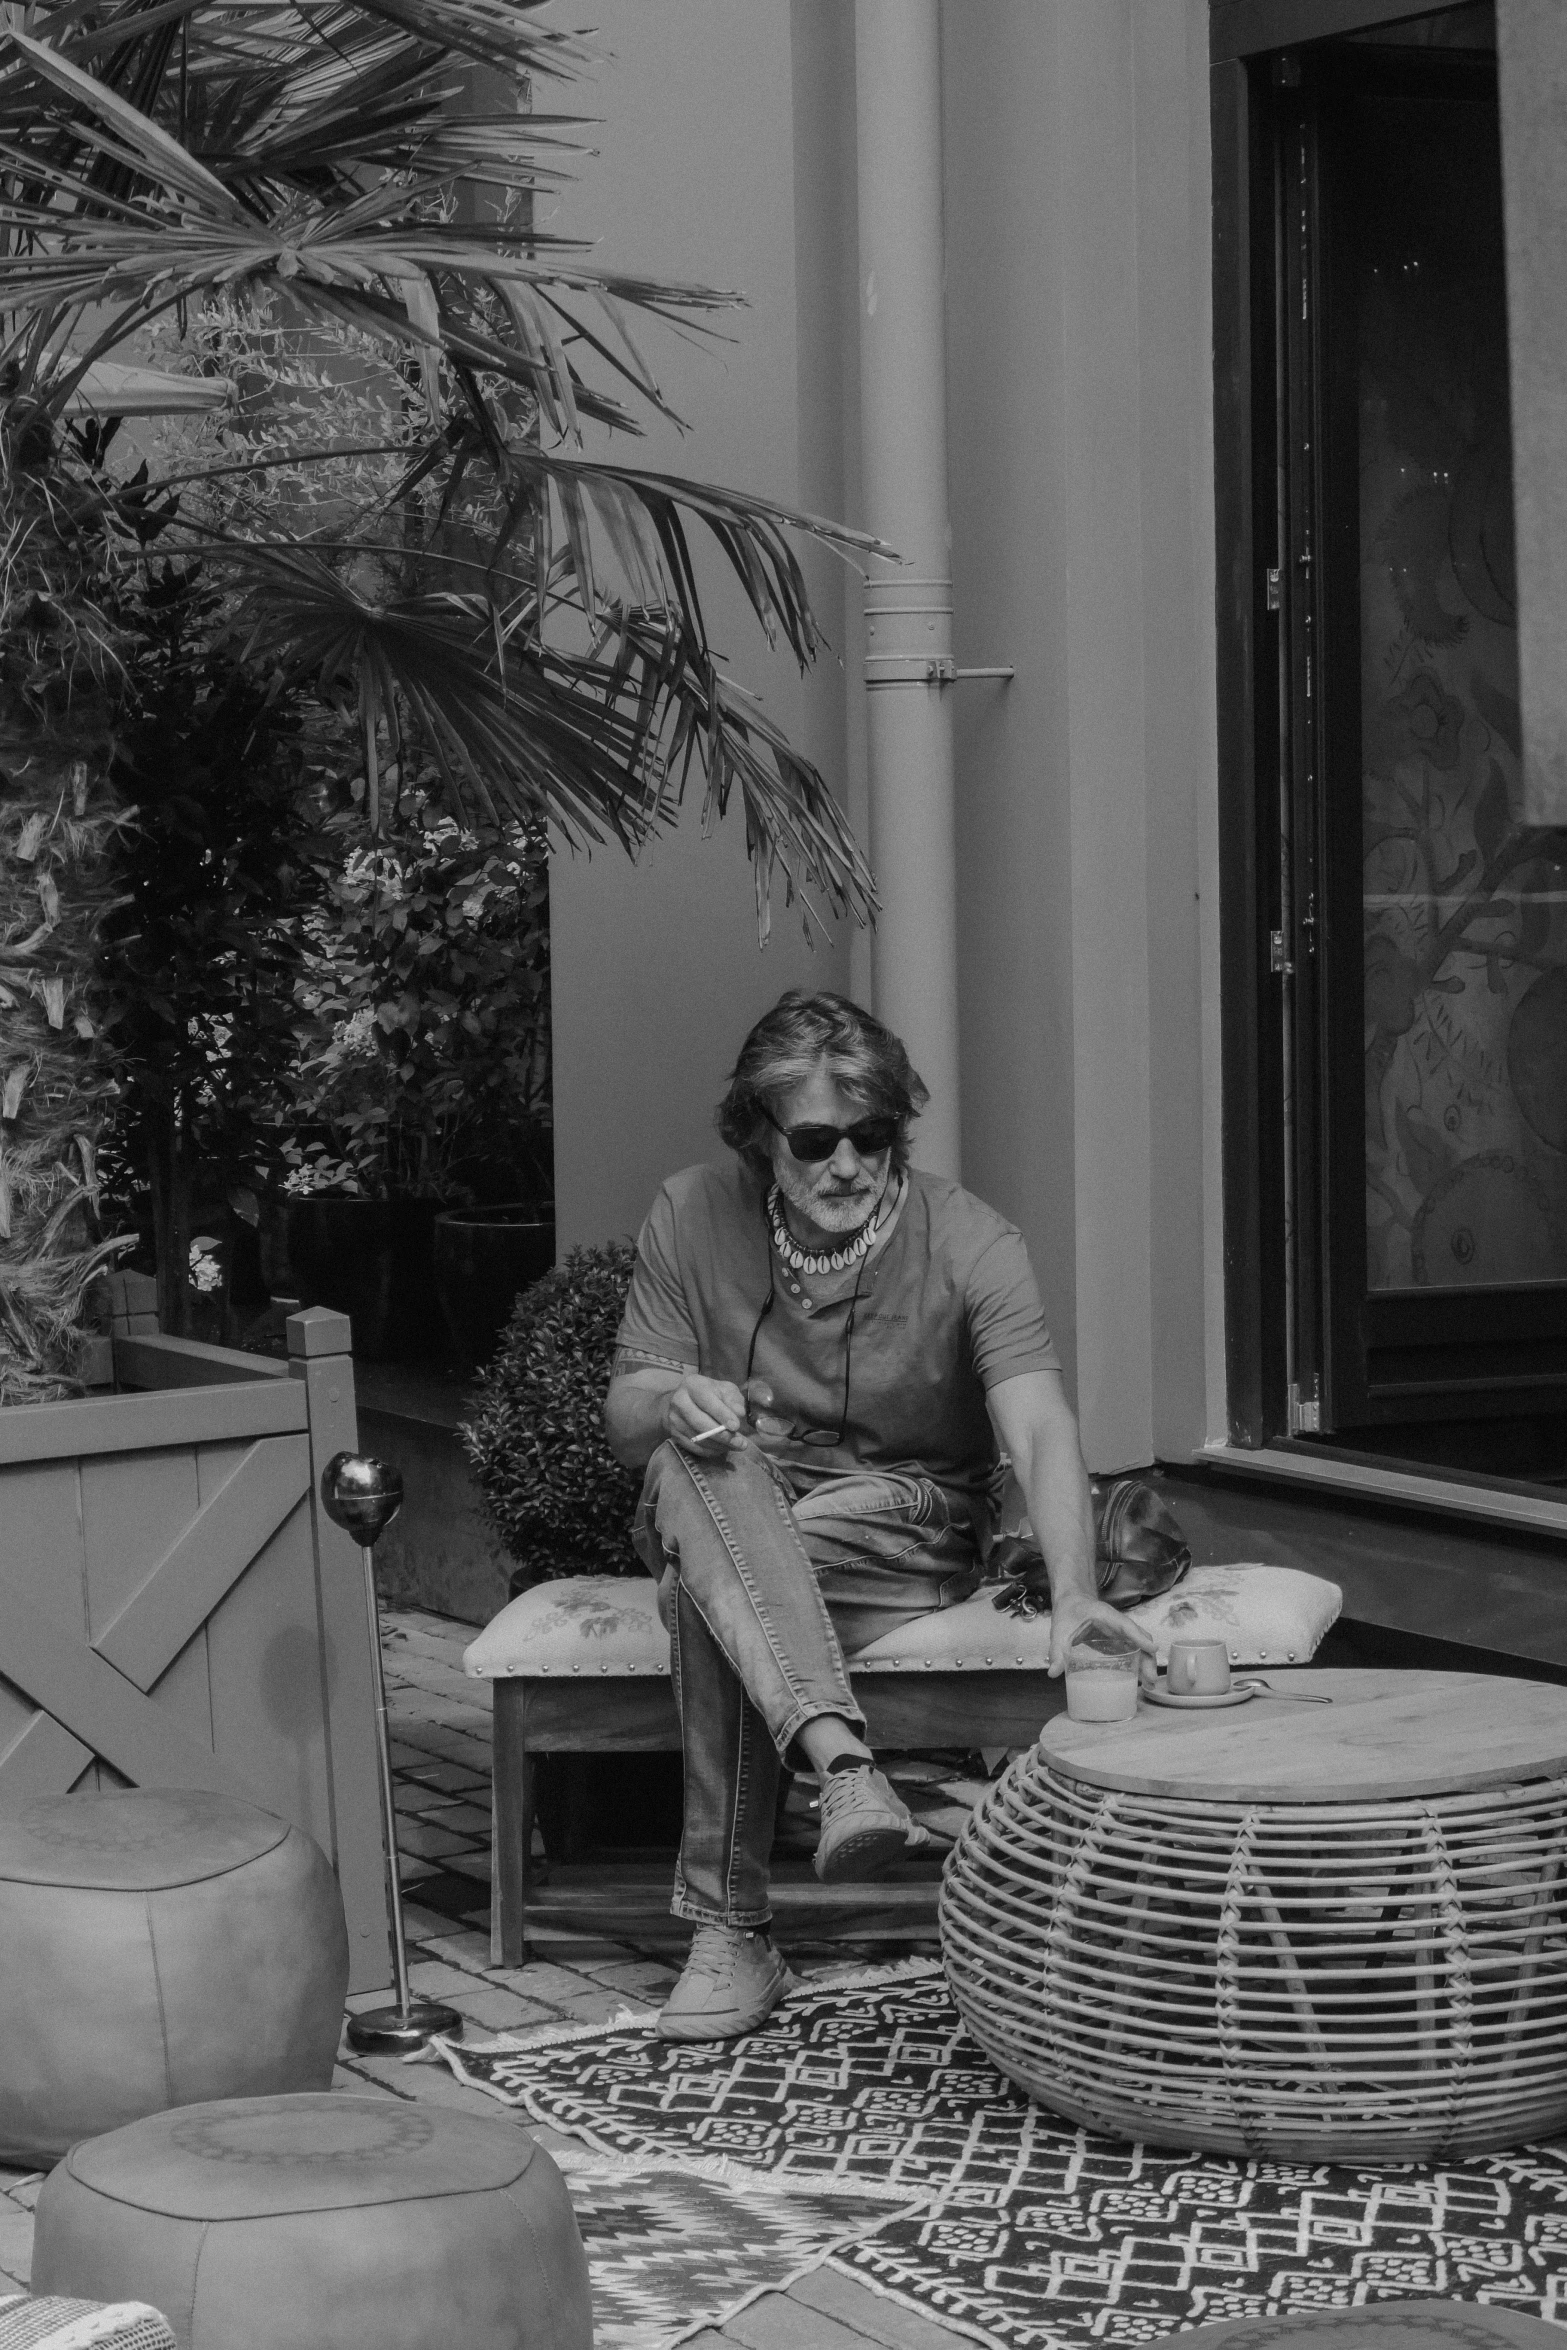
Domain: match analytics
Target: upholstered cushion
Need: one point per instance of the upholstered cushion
(583, 1624)
(609, 1624)
(1265, 1615)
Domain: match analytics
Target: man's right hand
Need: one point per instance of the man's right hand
(699, 1404)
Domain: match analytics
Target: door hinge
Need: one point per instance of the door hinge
(1278, 962)
(1305, 1408)
(1275, 588)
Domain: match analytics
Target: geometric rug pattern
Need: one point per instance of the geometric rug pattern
(675, 2247)
(1031, 2234)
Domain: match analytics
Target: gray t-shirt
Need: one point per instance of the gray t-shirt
(947, 1308)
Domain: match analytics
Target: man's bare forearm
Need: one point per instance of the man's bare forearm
(634, 1415)
(645, 1408)
(1060, 1510)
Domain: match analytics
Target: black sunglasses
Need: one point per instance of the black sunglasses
(870, 1137)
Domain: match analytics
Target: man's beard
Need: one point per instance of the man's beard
(833, 1210)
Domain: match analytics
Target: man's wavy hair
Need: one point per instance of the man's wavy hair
(865, 1060)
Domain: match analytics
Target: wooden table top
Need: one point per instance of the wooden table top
(1385, 1735)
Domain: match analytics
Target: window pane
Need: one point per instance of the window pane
(1465, 912)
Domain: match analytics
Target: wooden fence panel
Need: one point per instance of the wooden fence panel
(176, 1610)
(270, 1698)
(137, 1423)
(322, 1372)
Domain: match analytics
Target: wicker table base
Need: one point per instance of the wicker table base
(1385, 2325)
(1191, 1947)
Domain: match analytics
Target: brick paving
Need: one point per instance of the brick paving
(441, 1761)
(441, 1758)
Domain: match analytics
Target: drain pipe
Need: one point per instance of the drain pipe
(908, 615)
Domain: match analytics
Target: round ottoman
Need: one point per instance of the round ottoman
(322, 2223)
(1307, 1931)
(157, 1949)
(41, 2322)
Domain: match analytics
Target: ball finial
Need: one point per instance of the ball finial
(361, 1494)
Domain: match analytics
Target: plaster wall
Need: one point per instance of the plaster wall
(1081, 493)
(657, 970)
(1080, 482)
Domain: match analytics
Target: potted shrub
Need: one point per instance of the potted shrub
(562, 1505)
(551, 1489)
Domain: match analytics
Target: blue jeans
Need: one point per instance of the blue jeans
(767, 1581)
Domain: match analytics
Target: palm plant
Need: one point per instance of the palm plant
(478, 590)
(157, 156)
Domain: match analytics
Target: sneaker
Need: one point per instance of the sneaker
(864, 1827)
(731, 1982)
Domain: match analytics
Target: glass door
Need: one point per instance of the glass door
(1423, 941)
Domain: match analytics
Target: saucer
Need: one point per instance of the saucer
(1237, 1694)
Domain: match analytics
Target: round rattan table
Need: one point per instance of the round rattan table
(1309, 1931)
(1382, 2325)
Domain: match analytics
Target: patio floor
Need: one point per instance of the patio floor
(441, 1758)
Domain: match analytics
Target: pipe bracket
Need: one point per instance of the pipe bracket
(908, 634)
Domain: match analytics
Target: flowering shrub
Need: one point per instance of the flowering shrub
(422, 1067)
(206, 1272)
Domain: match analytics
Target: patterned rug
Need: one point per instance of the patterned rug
(676, 2246)
(1032, 2235)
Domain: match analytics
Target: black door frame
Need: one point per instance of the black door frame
(1257, 933)
(1254, 28)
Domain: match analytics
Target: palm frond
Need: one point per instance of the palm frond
(166, 158)
(283, 34)
(132, 266)
(597, 747)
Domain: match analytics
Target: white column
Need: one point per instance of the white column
(908, 614)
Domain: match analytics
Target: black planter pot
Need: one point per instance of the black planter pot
(483, 1257)
(371, 1259)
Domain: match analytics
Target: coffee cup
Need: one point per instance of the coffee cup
(1198, 1668)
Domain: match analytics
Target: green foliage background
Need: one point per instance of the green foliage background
(62, 662)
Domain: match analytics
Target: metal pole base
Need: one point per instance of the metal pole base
(396, 2031)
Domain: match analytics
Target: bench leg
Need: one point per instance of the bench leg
(511, 1833)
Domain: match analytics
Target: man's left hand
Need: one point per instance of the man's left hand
(1029, 1595)
(1071, 1613)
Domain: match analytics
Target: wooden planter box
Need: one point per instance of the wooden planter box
(176, 1608)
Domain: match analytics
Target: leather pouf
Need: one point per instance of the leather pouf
(43, 2323)
(157, 1949)
(322, 2223)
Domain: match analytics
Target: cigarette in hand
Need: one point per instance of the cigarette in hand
(717, 1428)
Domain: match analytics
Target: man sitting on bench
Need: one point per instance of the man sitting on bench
(820, 1347)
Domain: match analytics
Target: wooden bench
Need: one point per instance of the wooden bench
(581, 1666)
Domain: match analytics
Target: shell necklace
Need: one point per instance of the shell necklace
(805, 1260)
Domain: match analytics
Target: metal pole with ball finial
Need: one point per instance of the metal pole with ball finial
(363, 1496)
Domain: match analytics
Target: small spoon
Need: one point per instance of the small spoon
(1299, 1695)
